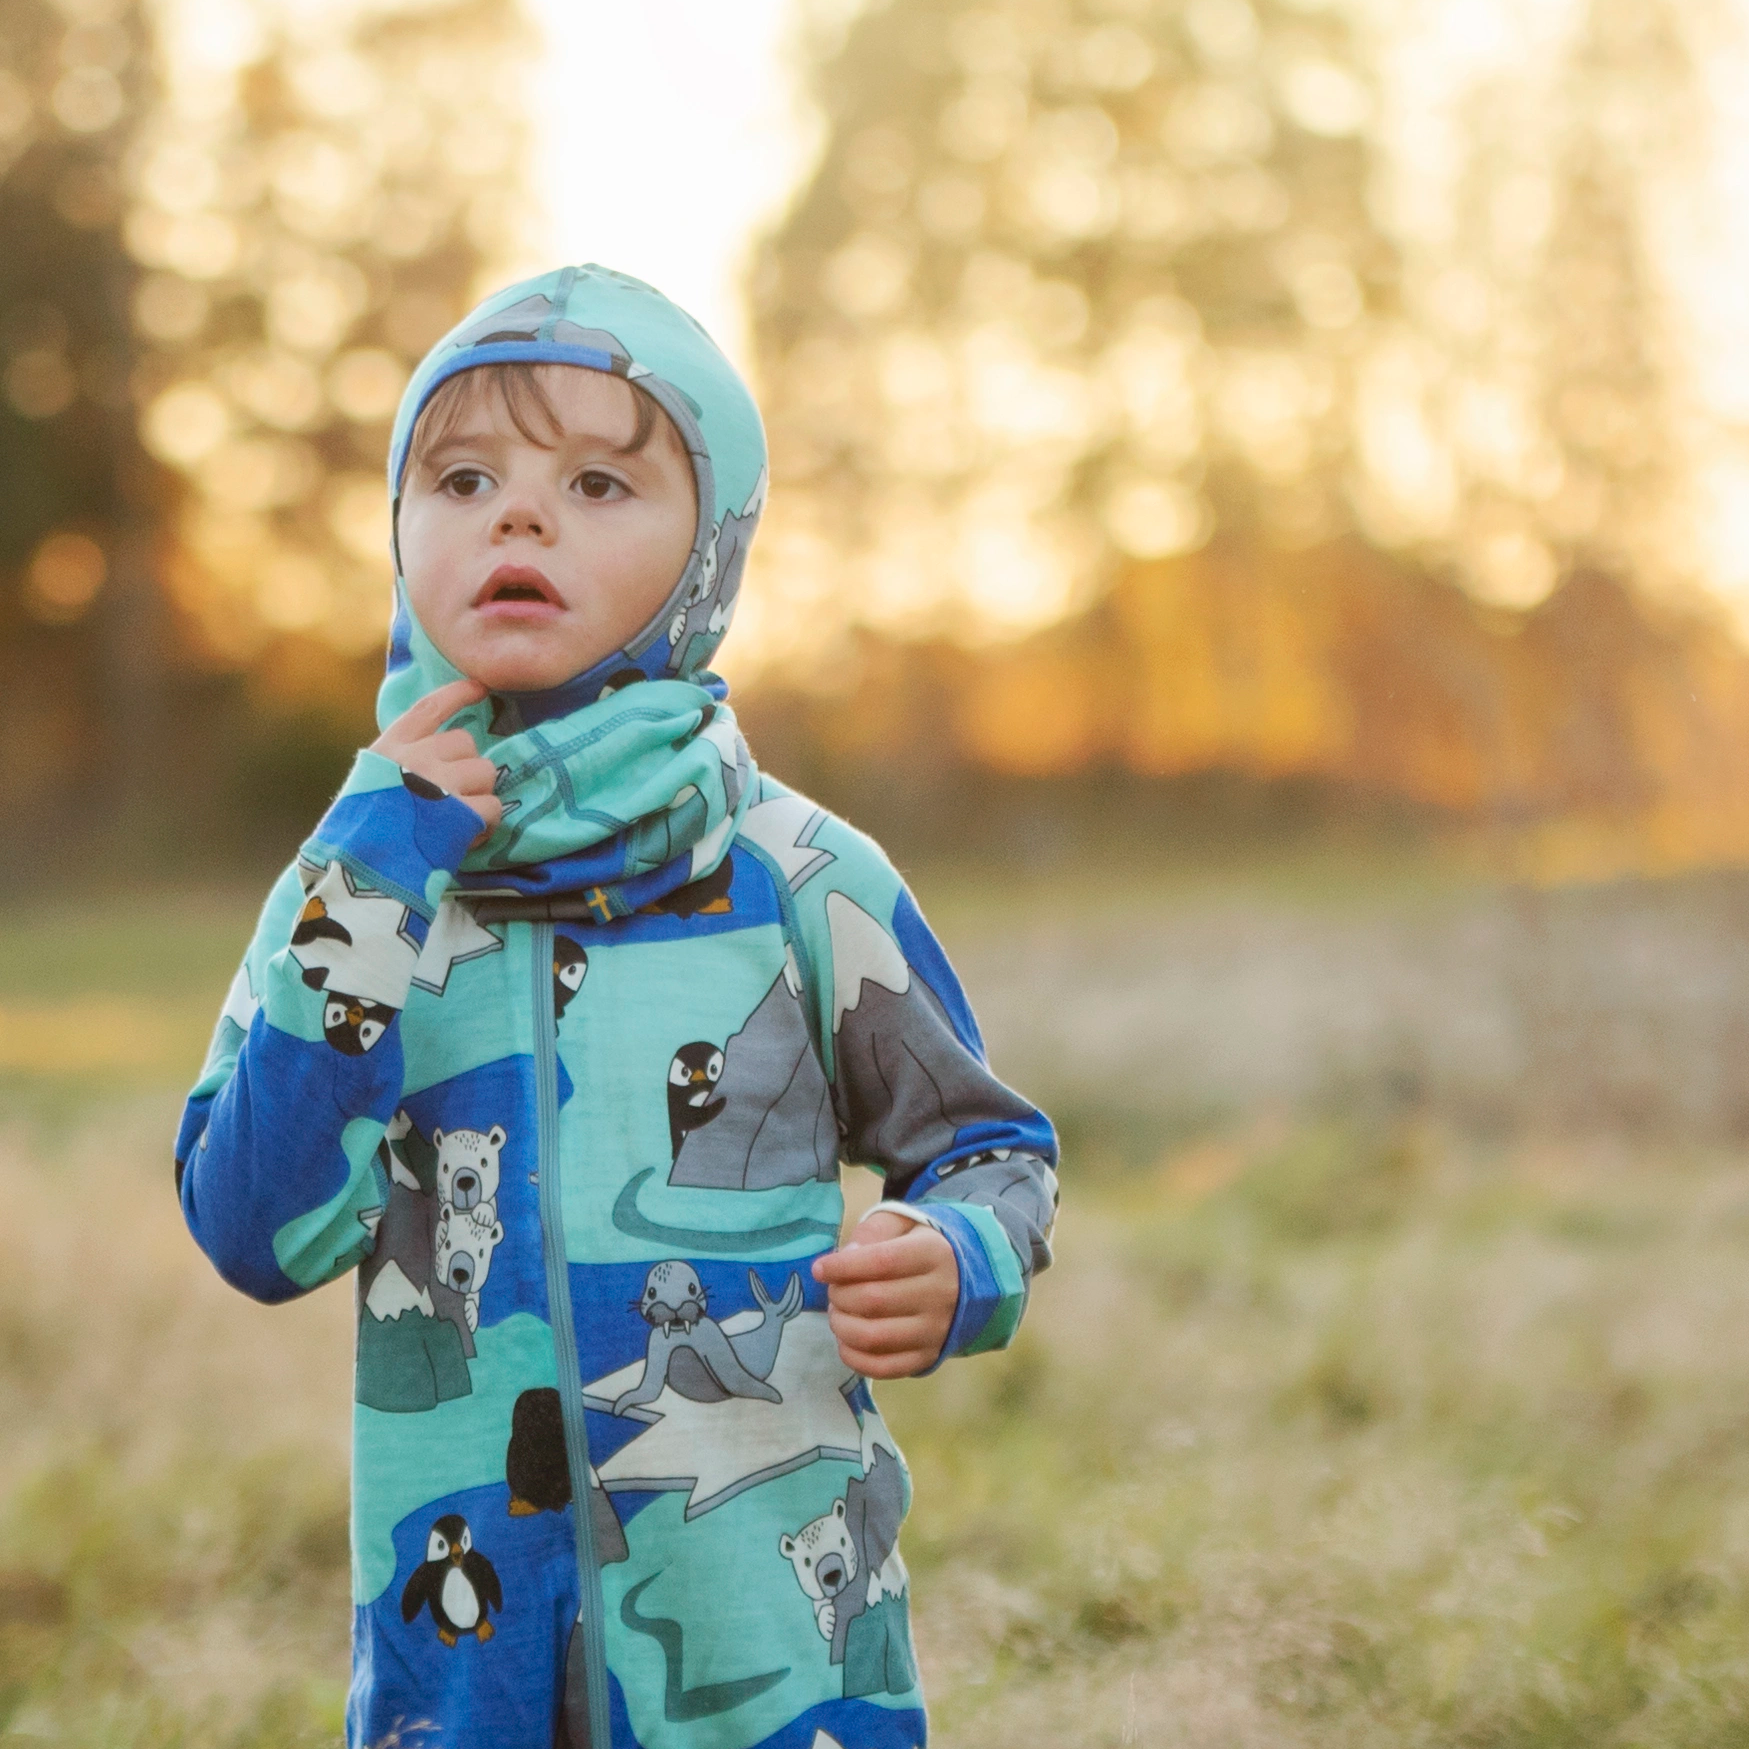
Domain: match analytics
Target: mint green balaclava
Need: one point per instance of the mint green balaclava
(628, 780)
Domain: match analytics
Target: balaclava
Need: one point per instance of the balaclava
(629, 779)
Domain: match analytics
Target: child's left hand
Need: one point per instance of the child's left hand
(891, 1288)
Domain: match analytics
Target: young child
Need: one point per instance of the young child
(556, 1032)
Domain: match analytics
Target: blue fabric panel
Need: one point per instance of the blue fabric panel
(582, 869)
(923, 952)
(501, 352)
(399, 835)
(273, 1147)
(1032, 1135)
(194, 1122)
(752, 901)
(400, 635)
(856, 1724)
(502, 1694)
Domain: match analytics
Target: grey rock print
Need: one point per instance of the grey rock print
(775, 1126)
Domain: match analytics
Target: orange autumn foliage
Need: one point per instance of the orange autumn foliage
(1614, 730)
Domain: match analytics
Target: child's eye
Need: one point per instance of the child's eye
(465, 483)
(599, 486)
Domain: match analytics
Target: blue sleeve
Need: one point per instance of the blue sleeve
(912, 1090)
(276, 1158)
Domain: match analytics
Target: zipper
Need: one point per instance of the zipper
(590, 1610)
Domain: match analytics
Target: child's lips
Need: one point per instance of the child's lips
(518, 592)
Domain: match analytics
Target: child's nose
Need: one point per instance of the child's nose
(525, 515)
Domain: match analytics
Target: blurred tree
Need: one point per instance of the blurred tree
(1097, 317)
(1076, 282)
(1560, 394)
(309, 231)
(225, 248)
(75, 493)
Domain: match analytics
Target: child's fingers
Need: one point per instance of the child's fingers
(453, 744)
(894, 1298)
(885, 1366)
(428, 714)
(470, 777)
(884, 1260)
(881, 1335)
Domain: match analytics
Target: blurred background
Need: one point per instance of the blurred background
(1260, 529)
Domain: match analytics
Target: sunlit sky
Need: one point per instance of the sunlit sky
(668, 131)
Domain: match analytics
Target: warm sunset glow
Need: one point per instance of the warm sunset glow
(663, 138)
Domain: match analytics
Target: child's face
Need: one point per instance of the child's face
(527, 565)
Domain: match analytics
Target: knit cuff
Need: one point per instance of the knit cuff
(397, 832)
(992, 1290)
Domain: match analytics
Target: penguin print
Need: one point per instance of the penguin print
(351, 941)
(352, 1025)
(539, 1479)
(535, 1469)
(619, 680)
(777, 1126)
(315, 924)
(708, 896)
(570, 968)
(692, 1078)
(456, 1582)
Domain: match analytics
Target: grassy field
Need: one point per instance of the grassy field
(1340, 1432)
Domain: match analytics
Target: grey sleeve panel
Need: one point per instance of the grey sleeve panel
(1020, 1190)
(907, 1086)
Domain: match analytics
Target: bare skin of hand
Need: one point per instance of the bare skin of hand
(418, 742)
(891, 1289)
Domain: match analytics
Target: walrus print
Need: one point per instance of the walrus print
(688, 1350)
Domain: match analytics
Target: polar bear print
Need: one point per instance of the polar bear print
(467, 1166)
(824, 1558)
(847, 1564)
(466, 1239)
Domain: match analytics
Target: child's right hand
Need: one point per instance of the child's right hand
(417, 742)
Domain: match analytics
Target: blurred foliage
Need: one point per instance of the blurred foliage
(1117, 318)
(77, 500)
(1597, 732)
(229, 245)
(1080, 283)
(1071, 280)
(310, 234)
(1133, 408)
(1553, 377)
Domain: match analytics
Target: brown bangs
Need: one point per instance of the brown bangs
(518, 389)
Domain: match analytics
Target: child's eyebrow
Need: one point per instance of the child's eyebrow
(430, 455)
(478, 439)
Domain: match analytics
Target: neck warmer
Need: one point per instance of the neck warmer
(628, 780)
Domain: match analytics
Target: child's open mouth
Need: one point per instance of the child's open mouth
(518, 591)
